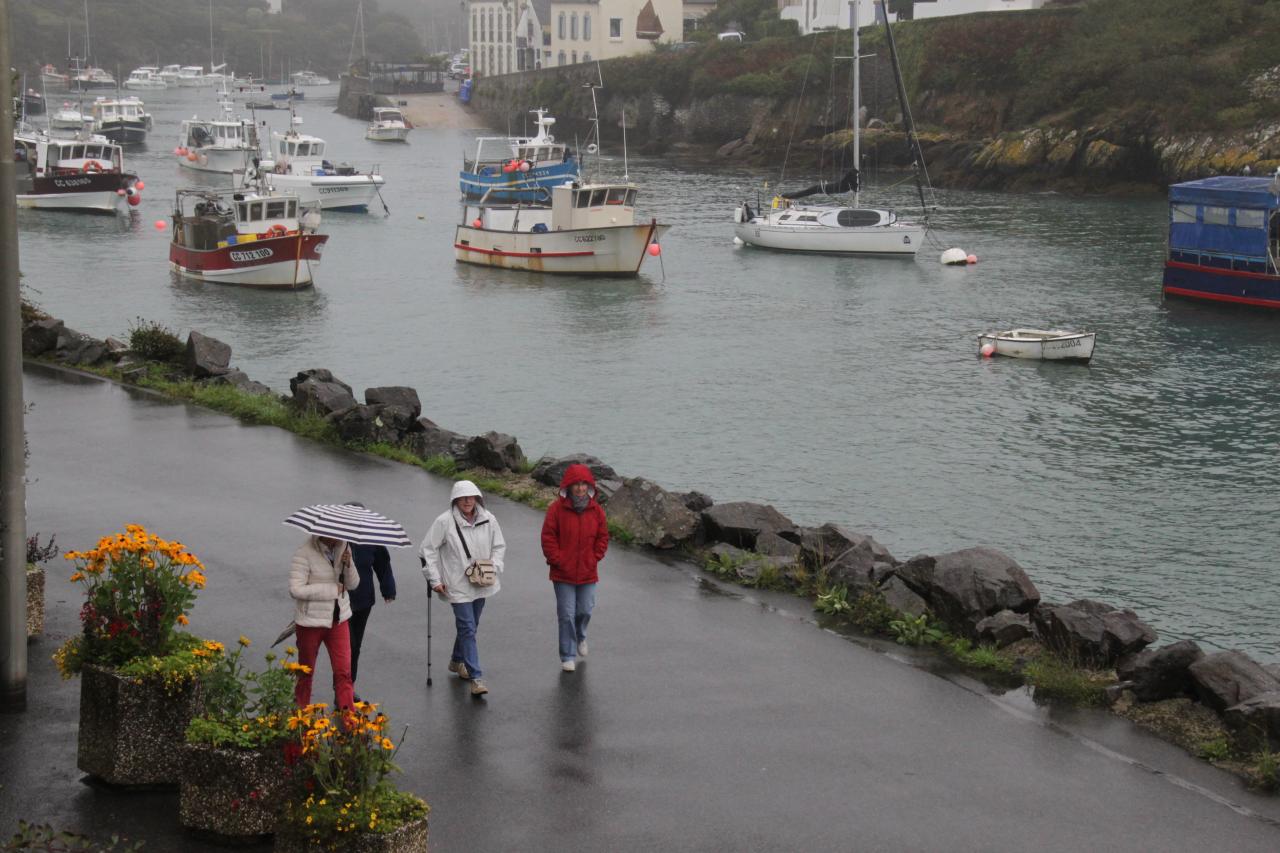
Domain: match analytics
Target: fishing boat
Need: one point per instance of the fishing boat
(297, 165)
(72, 174)
(51, 78)
(291, 95)
(1224, 241)
(190, 76)
(1046, 344)
(93, 78)
(388, 125)
(837, 228)
(32, 103)
(588, 229)
(308, 78)
(145, 78)
(249, 236)
(68, 121)
(218, 145)
(123, 120)
(518, 168)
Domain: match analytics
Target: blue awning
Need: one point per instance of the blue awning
(1229, 191)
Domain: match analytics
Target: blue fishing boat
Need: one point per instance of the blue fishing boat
(1224, 241)
(522, 169)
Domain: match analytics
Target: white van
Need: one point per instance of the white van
(732, 36)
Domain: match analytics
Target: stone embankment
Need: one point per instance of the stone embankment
(980, 594)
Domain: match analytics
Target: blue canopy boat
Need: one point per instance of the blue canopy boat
(519, 169)
(1224, 241)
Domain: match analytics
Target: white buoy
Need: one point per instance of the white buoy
(737, 241)
(954, 257)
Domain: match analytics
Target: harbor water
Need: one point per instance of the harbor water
(843, 390)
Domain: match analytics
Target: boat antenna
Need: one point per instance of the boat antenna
(595, 117)
(913, 141)
(626, 172)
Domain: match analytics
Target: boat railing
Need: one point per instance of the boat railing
(1225, 260)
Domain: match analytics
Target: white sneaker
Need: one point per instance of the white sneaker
(568, 666)
(582, 649)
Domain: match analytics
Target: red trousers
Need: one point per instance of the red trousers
(338, 640)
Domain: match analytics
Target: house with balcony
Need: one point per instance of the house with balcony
(587, 30)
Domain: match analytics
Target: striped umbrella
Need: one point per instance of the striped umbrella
(353, 524)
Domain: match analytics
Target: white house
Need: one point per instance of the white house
(814, 15)
(505, 36)
(586, 30)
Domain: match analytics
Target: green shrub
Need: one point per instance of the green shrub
(834, 602)
(154, 342)
(1217, 749)
(915, 631)
(872, 613)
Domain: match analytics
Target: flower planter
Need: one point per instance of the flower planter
(35, 600)
(132, 731)
(235, 794)
(408, 838)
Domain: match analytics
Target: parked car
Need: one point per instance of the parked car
(732, 36)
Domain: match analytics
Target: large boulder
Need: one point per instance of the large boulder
(206, 356)
(903, 598)
(696, 501)
(771, 544)
(496, 451)
(550, 469)
(1256, 720)
(741, 523)
(1093, 631)
(319, 391)
(78, 348)
(41, 336)
(1163, 673)
(236, 379)
(1004, 628)
(431, 440)
(821, 545)
(964, 587)
(370, 424)
(1223, 679)
(400, 396)
(651, 514)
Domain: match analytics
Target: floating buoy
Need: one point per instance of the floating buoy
(160, 225)
(139, 185)
(191, 156)
(971, 259)
(135, 200)
(120, 192)
(655, 249)
(177, 152)
(420, 216)
(130, 191)
(987, 350)
(737, 241)
(476, 223)
(954, 258)
(524, 166)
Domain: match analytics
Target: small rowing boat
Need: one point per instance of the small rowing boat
(1047, 344)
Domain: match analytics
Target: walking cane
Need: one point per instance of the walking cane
(431, 593)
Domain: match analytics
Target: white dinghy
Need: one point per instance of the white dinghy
(1047, 344)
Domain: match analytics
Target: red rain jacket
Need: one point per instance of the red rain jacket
(572, 542)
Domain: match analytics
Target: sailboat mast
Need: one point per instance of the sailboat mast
(913, 141)
(210, 36)
(87, 52)
(857, 96)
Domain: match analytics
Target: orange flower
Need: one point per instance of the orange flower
(183, 620)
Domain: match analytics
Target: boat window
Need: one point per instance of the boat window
(617, 195)
(597, 197)
(77, 152)
(304, 149)
(275, 209)
(582, 199)
(255, 211)
(1216, 215)
(1250, 218)
(284, 148)
(1182, 212)
(858, 218)
(244, 211)
(807, 218)
(317, 148)
(631, 198)
(293, 210)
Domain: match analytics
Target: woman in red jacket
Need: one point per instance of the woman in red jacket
(575, 536)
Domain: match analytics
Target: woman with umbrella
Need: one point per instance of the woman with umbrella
(320, 575)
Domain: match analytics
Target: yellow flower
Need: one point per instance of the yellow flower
(387, 744)
(290, 651)
(213, 646)
(245, 727)
(77, 576)
(308, 818)
(243, 641)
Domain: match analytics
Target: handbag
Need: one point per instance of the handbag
(479, 572)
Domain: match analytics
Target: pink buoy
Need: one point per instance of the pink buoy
(476, 223)
(655, 249)
(524, 167)
(987, 350)
(160, 225)
(139, 186)
(135, 200)
(120, 192)
(177, 152)
(191, 156)
(971, 259)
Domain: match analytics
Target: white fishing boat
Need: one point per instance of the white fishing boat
(388, 125)
(84, 175)
(169, 74)
(308, 78)
(223, 145)
(145, 78)
(67, 121)
(1047, 344)
(123, 120)
(191, 76)
(588, 229)
(836, 228)
(93, 78)
(297, 164)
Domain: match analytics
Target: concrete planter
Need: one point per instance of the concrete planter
(409, 838)
(131, 731)
(35, 600)
(235, 794)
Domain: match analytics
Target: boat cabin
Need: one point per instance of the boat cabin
(576, 205)
(387, 115)
(232, 134)
(67, 156)
(106, 110)
(212, 219)
(1226, 223)
(539, 149)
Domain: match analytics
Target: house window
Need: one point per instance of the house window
(562, 29)
(560, 58)
(510, 29)
(573, 26)
(575, 57)
(586, 57)
(475, 29)
(586, 26)
(615, 28)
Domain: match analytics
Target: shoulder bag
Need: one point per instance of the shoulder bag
(479, 572)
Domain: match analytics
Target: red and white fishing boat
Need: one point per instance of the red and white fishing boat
(72, 174)
(245, 236)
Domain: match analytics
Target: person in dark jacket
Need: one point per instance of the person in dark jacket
(370, 560)
(575, 536)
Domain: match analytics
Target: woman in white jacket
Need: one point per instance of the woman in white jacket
(464, 533)
(319, 577)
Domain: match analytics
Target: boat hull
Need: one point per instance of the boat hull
(1065, 348)
(86, 193)
(331, 192)
(125, 133)
(534, 185)
(220, 160)
(387, 134)
(614, 251)
(1234, 287)
(281, 262)
(897, 240)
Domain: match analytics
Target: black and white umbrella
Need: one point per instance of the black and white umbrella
(353, 524)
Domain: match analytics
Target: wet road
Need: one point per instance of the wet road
(703, 720)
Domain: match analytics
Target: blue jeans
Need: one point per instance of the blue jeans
(573, 611)
(466, 618)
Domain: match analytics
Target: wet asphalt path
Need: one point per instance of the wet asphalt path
(703, 720)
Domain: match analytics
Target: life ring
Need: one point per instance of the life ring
(91, 166)
(279, 230)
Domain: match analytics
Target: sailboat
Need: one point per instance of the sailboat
(834, 228)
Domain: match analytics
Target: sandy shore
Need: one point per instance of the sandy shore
(439, 109)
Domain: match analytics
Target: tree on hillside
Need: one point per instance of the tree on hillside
(757, 18)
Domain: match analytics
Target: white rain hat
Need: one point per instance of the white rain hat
(464, 489)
